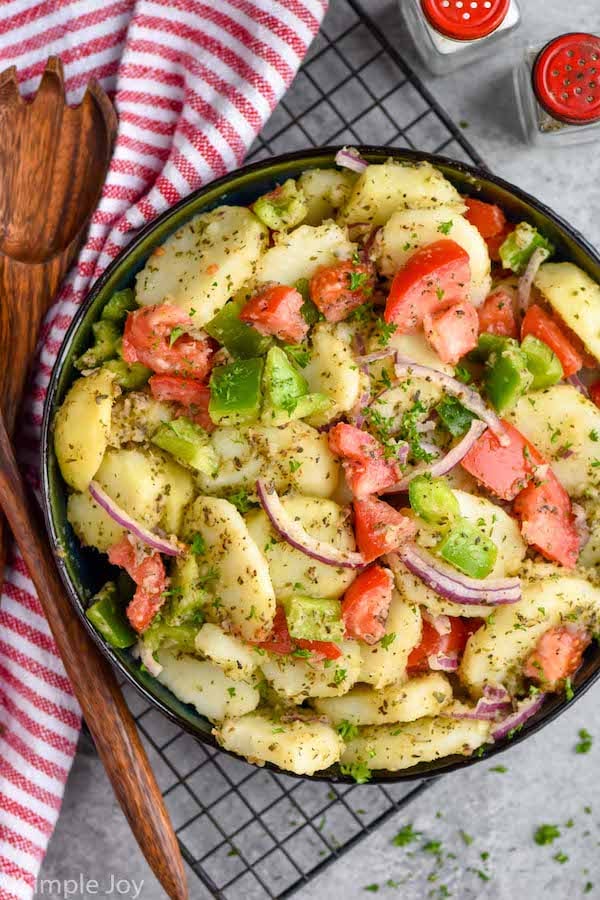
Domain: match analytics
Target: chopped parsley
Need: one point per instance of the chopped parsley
(410, 433)
(231, 691)
(198, 545)
(445, 227)
(388, 639)
(594, 436)
(175, 335)
(339, 675)
(406, 835)
(461, 373)
(300, 651)
(569, 692)
(585, 741)
(361, 314)
(241, 500)
(359, 771)
(346, 730)
(295, 465)
(386, 330)
(546, 834)
(357, 280)
(455, 417)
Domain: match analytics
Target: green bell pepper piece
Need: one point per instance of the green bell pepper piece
(129, 377)
(507, 378)
(517, 249)
(235, 392)
(121, 303)
(160, 634)
(283, 208)
(433, 500)
(105, 346)
(312, 619)
(285, 390)
(489, 343)
(107, 615)
(469, 550)
(242, 340)
(188, 443)
(310, 311)
(455, 417)
(542, 362)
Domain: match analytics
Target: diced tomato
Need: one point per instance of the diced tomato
(148, 572)
(155, 336)
(497, 315)
(595, 392)
(434, 644)
(558, 655)
(547, 521)
(452, 332)
(319, 649)
(502, 470)
(363, 458)
(339, 289)
(379, 528)
(433, 277)
(488, 219)
(542, 326)
(494, 243)
(280, 641)
(275, 309)
(192, 396)
(366, 604)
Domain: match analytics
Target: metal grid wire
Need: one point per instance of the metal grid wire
(247, 833)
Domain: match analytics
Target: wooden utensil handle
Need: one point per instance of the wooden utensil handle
(95, 686)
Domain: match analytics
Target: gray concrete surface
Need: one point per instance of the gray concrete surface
(546, 780)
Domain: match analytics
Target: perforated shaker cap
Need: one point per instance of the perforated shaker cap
(465, 20)
(566, 78)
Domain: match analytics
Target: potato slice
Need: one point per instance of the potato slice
(206, 261)
(82, 427)
(562, 424)
(384, 663)
(497, 651)
(424, 695)
(295, 678)
(325, 191)
(301, 252)
(383, 188)
(332, 371)
(575, 297)
(407, 230)
(293, 571)
(236, 658)
(234, 568)
(396, 747)
(206, 686)
(300, 747)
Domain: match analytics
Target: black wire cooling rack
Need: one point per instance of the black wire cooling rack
(249, 833)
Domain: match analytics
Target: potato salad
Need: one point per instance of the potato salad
(341, 449)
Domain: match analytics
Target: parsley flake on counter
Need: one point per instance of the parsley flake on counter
(501, 769)
(561, 857)
(373, 888)
(467, 838)
(585, 741)
(546, 834)
(405, 836)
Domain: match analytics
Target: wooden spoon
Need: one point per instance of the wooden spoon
(53, 161)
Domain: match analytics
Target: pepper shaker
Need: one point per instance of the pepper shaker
(558, 90)
(449, 34)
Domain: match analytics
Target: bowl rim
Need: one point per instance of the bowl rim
(554, 706)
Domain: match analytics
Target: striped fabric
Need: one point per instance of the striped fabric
(193, 83)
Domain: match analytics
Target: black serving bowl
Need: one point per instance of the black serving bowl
(84, 570)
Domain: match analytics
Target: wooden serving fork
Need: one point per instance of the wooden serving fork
(53, 161)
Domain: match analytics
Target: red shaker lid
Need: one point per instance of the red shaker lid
(465, 20)
(566, 78)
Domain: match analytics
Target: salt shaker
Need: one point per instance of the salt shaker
(452, 33)
(558, 90)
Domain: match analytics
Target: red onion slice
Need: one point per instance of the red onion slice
(442, 624)
(581, 525)
(578, 384)
(143, 534)
(375, 356)
(496, 699)
(296, 535)
(349, 158)
(447, 463)
(524, 711)
(539, 255)
(443, 663)
(452, 585)
(467, 396)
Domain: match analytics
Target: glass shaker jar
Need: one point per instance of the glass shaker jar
(558, 90)
(452, 33)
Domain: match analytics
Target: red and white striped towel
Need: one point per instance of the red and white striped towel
(193, 82)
